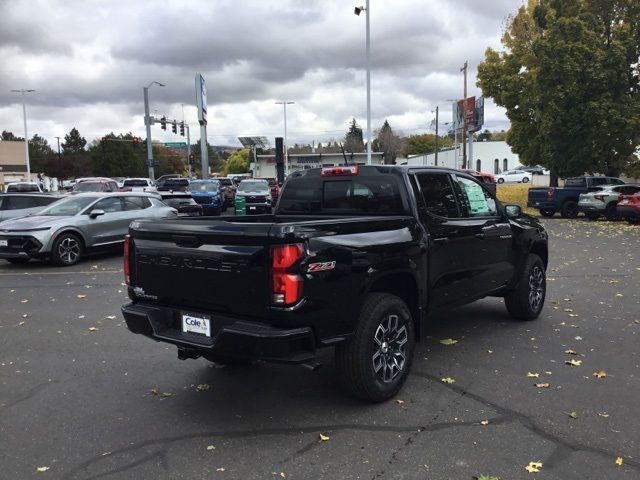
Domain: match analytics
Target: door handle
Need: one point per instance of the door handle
(441, 240)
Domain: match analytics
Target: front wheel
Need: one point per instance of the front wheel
(66, 250)
(611, 212)
(527, 300)
(501, 180)
(547, 212)
(633, 219)
(525, 180)
(374, 364)
(569, 209)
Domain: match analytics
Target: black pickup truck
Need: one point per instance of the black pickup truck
(352, 258)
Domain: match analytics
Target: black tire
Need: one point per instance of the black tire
(67, 250)
(611, 212)
(569, 209)
(525, 180)
(547, 212)
(633, 220)
(501, 180)
(218, 211)
(17, 261)
(526, 301)
(382, 315)
(592, 216)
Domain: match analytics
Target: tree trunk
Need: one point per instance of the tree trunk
(553, 180)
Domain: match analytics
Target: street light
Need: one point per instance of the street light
(147, 122)
(284, 103)
(26, 135)
(357, 11)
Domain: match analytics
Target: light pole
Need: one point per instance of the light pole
(357, 11)
(147, 122)
(284, 103)
(22, 91)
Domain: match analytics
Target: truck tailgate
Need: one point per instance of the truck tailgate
(537, 195)
(222, 267)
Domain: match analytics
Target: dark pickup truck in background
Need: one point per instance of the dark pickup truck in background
(352, 258)
(549, 200)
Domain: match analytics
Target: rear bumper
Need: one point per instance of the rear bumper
(230, 337)
(541, 204)
(628, 211)
(590, 208)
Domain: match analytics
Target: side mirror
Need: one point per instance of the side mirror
(513, 211)
(96, 213)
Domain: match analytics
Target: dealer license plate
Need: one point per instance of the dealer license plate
(196, 324)
(4, 243)
(252, 208)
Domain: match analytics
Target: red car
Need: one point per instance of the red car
(629, 208)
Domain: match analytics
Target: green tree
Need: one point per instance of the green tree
(216, 161)
(424, 144)
(39, 151)
(73, 142)
(353, 139)
(117, 156)
(568, 80)
(387, 142)
(238, 162)
(10, 137)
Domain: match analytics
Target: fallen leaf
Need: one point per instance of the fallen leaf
(25, 315)
(448, 380)
(574, 363)
(210, 447)
(600, 374)
(110, 317)
(484, 422)
(80, 317)
(577, 338)
(603, 414)
(221, 469)
(570, 352)
(619, 295)
(80, 295)
(167, 394)
(154, 391)
(400, 402)
(486, 477)
(568, 310)
(24, 301)
(619, 461)
(573, 415)
(21, 323)
(573, 315)
(93, 329)
(203, 387)
(637, 322)
(448, 341)
(532, 375)
(533, 467)
(324, 438)
(282, 475)
(42, 469)
(542, 385)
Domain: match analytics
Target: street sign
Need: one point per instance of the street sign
(179, 145)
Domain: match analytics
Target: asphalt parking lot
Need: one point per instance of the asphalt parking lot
(83, 398)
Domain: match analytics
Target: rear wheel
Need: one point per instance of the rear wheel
(611, 212)
(633, 219)
(374, 364)
(592, 216)
(547, 212)
(569, 209)
(66, 250)
(525, 180)
(527, 300)
(501, 180)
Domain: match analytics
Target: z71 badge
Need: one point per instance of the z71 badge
(321, 267)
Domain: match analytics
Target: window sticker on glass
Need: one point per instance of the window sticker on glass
(475, 197)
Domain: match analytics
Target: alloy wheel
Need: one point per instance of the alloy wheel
(69, 250)
(390, 344)
(536, 288)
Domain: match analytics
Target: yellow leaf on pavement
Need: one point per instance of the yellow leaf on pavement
(203, 387)
(110, 317)
(533, 467)
(24, 301)
(542, 385)
(93, 329)
(324, 438)
(573, 363)
(619, 461)
(400, 402)
(532, 375)
(600, 374)
(448, 341)
(42, 469)
(448, 380)
(570, 352)
(81, 296)
(484, 422)
(210, 447)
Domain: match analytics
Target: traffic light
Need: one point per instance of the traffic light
(163, 123)
(182, 128)
(174, 127)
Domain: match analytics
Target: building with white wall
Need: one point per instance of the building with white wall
(13, 162)
(266, 166)
(488, 157)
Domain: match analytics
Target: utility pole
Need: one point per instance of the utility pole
(436, 159)
(188, 149)
(26, 135)
(464, 117)
(147, 122)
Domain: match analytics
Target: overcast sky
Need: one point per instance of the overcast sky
(88, 61)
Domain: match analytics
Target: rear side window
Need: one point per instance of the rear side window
(44, 201)
(136, 203)
(616, 181)
(596, 182)
(18, 203)
(576, 182)
(438, 194)
(366, 195)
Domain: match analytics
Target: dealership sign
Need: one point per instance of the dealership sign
(201, 99)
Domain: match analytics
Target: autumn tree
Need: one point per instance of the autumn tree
(568, 79)
(238, 162)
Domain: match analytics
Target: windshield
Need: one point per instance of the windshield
(204, 186)
(68, 206)
(88, 187)
(226, 181)
(135, 183)
(253, 186)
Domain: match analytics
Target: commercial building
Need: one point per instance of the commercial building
(266, 165)
(13, 162)
(488, 157)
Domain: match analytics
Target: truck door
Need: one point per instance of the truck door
(492, 250)
(451, 258)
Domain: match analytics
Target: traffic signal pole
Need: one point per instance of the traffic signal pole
(188, 150)
(147, 121)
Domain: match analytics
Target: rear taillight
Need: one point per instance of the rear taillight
(599, 197)
(287, 285)
(550, 193)
(340, 171)
(127, 259)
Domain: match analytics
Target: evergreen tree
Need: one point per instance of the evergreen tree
(39, 151)
(353, 141)
(388, 143)
(10, 137)
(73, 142)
